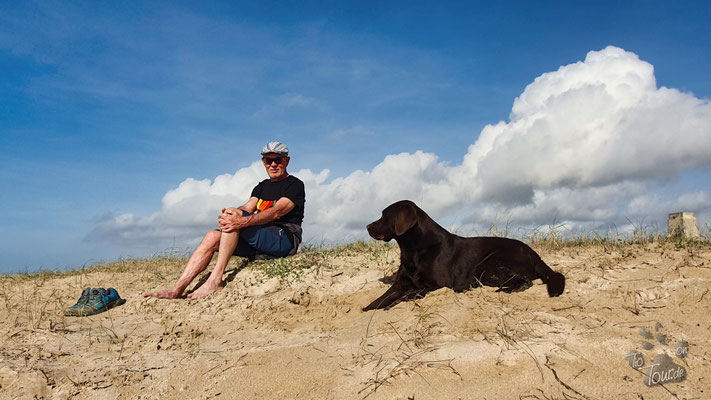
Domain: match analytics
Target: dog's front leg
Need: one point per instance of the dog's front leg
(396, 292)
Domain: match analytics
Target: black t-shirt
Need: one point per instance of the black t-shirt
(291, 187)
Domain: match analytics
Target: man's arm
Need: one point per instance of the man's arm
(232, 221)
(249, 207)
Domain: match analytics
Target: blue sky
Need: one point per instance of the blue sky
(106, 108)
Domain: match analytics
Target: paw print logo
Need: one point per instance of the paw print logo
(662, 369)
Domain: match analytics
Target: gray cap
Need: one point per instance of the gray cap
(275, 147)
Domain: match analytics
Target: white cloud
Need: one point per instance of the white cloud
(583, 145)
(590, 123)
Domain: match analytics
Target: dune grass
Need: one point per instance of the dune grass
(549, 238)
(395, 349)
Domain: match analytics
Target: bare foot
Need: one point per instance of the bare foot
(163, 294)
(205, 290)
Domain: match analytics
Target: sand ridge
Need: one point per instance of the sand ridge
(303, 334)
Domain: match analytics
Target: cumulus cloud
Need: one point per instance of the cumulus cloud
(591, 123)
(583, 146)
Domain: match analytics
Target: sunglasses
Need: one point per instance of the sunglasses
(270, 160)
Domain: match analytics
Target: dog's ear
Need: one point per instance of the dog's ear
(406, 218)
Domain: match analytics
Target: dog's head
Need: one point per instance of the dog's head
(397, 219)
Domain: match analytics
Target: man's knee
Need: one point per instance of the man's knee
(212, 239)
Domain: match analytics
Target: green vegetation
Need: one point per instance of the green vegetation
(319, 257)
(557, 236)
(156, 263)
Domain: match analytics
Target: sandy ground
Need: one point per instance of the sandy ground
(303, 335)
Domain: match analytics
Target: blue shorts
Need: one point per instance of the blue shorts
(268, 239)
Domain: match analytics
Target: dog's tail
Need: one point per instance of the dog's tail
(555, 281)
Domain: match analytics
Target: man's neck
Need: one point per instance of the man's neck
(280, 178)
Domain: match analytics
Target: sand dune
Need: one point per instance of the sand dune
(294, 329)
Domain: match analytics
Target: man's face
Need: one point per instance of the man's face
(275, 165)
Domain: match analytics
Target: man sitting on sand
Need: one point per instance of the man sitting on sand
(270, 223)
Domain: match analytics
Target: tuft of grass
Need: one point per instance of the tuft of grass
(556, 238)
(409, 352)
(283, 268)
(122, 265)
(372, 250)
(494, 229)
(318, 259)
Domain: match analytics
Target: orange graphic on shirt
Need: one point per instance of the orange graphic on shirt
(264, 205)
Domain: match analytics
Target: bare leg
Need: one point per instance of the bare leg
(197, 263)
(228, 243)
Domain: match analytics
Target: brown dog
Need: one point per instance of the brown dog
(431, 258)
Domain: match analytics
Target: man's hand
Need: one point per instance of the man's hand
(231, 220)
(232, 211)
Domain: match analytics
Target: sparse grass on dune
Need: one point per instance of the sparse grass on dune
(412, 351)
(550, 239)
(610, 241)
(310, 256)
(123, 265)
(29, 298)
(554, 237)
(162, 270)
(36, 300)
(287, 269)
(307, 314)
(320, 259)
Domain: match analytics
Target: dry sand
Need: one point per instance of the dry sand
(304, 336)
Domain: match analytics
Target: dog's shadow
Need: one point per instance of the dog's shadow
(228, 276)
